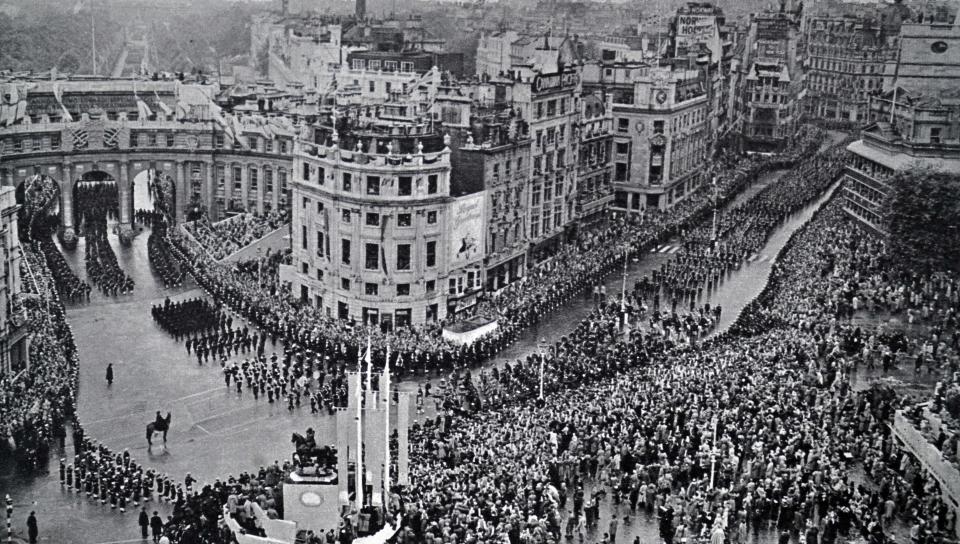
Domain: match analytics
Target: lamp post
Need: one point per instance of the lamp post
(713, 451)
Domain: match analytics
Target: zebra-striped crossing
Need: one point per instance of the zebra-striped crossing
(666, 248)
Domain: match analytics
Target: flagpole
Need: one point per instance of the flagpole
(386, 432)
(359, 467)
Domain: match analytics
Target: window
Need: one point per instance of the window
(373, 86)
(431, 253)
(306, 172)
(452, 286)
(345, 284)
(170, 140)
(405, 186)
(658, 127)
(320, 251)
(268, 146)
(373, 185)
(347, 182)
(319, 207)
(432, 218)
(406, 66)
(387, 87)
(343, 310)
(390, 65)
(623, 148)
(373, 64)
(535, 196)
(403, 220)
(539, 110)
(432, 182)
(305, 240)
(55, 141)
(357, 64)
(345, 251)
(623, 125)
(403, 256)
(373, 219)
(535, 225)
(321, 175)
(345, 216)
(371, 260)
(551, 108)
(431, 286)
(403, 289)
(305, 268)
(935, 135)
(371, 289)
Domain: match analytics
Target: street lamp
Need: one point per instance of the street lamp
(713, 451)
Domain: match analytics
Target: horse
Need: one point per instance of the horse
(163, 427)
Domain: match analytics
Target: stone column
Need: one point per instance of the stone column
(209, 189)
(227, 186)
(245, 186)
(275, 200)
(261, 188)
(181, 198)
(125, 197)
(66, 210)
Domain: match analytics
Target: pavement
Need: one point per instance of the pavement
(214, 431)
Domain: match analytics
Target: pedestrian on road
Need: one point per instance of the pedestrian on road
(109, 374)
(32, 530)
(144, 522)
(156, 524)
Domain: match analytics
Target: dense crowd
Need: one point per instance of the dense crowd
(226, 237)
(753, 429)
(36, 402)
(261, 300)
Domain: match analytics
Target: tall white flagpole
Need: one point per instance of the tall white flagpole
(359, 478)
(386, 432)
(369, 360)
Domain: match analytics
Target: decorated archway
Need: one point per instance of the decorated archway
(96, 201)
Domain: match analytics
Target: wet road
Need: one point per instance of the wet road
(215, 432)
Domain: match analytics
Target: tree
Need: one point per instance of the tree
(923, 221)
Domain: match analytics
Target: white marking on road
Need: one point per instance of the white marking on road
(665, 249)
(750, 260)
(658, 248)
(762, 258)
(675, 249)
(132, 414)
(201, 428)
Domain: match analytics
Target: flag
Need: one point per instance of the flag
(369, 360)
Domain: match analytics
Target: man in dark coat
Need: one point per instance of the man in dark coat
(32, 530)
(109, 374)
(144, 522)
(156, 524)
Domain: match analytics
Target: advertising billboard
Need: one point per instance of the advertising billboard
(698, 29)
(467, 230)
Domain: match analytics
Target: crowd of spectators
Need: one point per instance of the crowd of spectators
(224, 238)
(263, 302)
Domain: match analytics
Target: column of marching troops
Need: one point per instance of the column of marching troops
(116, 478)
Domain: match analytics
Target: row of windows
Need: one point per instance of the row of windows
(373, 253)
(377, 64)
(549, 160)
(36, 143)
(374, 184)
(553, 108)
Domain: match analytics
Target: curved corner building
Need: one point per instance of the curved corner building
(377, 236)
